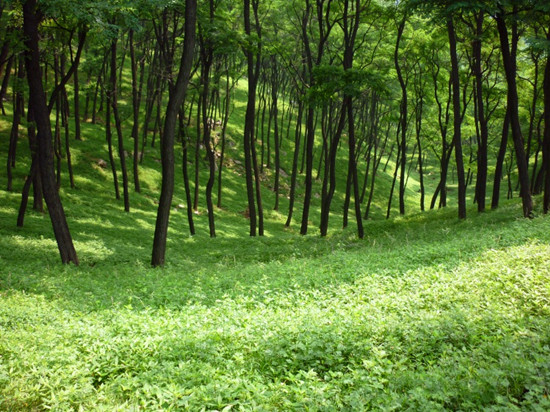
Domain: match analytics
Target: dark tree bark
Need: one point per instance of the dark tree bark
(31, 22)
(350, 27)
(481, 179)
(57, 127)
(404, 118)
(18, 113)
(397, 160)
(513, 107)
(136, 101)
(457, 120)
(177, 93)
(6, 82)
(419, 112)
(67, 76)
(253, 65)
(197, 157)
(113, 100)
(500, 160)
(109, 137)
(185, 172)
(294, 173)
(325, 27)
(546, 138)
(6, 62)
(443, 122)
(65, 124)
(76, 85)
(228, 87)
(276, 137)
(353, 171)
(207, 56)
(33, 177)
(310, 130)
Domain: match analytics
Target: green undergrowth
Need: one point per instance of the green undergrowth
(426, 313)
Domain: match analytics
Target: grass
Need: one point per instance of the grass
(426, 313)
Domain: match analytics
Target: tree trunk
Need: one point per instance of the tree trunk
(513, 107)
(135, 110)
(404, 118)
(249, 152)
(31, 22)
(76, 85)
(481, 180)
(546, 138)
(18, 113)
(207, 122)
(294, 174)
(6, 83)
(275, 102)
(176, 98)
(353, 171)
(457, 121)
(185, 172)
(223, 136)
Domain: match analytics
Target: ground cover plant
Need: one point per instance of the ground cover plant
(425, 313)
(312, 158)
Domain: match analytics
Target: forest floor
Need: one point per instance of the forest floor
(426, 313)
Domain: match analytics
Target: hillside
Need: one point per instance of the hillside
(426, 313)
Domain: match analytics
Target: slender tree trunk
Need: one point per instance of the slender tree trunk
(404, 118)
(76, 86)
(513, 104)
(330, 186)
(223, 137)
(109, 136)
(65, 123)
(197, 157)
(275, 102)
(206, 58)
(33, 177)
(376, 165)
(135, 110)
(457, 121)
(251, 170)
(294, 174)
(57, 127)
(500, 161)
(31, 22)
(18, 113)
(388, 211)
(118, 125)
(185, 172)
(418, 130)
(546, 138)
(481, 181)
(353, 171)
(6, 83)
(176, 97)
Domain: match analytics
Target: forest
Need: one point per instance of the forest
(274, 205)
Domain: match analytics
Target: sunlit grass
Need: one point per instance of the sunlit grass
(426, 313)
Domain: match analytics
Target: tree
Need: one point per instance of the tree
(457, 119)
(32, 16)
(177, 93)
(252, 51)
(404, 116)
(513, 107)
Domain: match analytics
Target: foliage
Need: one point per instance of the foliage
(426, 313)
